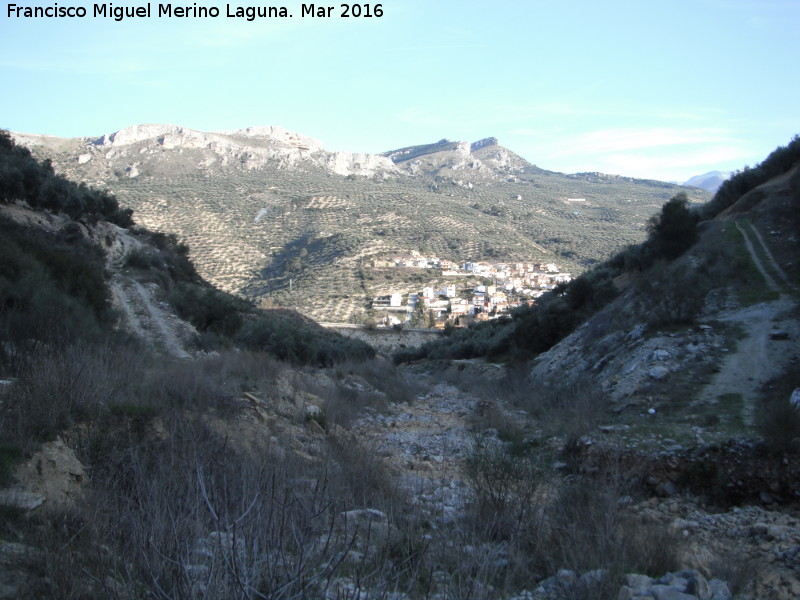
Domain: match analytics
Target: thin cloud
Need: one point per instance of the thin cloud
(623, 140)
(668, 154)
(696, 160)
(669, 164)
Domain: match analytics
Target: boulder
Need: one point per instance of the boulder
(590, 579)
(667, 489)
(698, 586)
(636, 333)
(625, 593)
(54, 473)
(566, 577)
(639, 584)
(21, 499)
(719, 590)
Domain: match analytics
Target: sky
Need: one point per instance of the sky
(659, 89)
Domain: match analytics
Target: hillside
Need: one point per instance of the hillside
(271, 215)
(723, 331)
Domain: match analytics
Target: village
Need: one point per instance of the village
(484, 291)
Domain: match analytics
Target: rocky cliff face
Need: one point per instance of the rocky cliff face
(249, 148)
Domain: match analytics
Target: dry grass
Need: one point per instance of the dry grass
(180, 511)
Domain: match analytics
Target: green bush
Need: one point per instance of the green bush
(23, 178)
(52, 288)
(209, 309)
(165, 253)
(671, 295)
(142, 259)
(295, 340)
(9, 457)
(674, 230)
(544, 325)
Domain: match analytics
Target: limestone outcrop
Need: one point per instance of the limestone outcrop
(250, 148)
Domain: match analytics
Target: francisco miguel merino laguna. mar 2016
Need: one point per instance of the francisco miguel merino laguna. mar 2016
(118, 13)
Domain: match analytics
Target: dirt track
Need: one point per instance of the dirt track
(757, 358)
(142, 312)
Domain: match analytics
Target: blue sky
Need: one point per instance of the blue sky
(650, 88)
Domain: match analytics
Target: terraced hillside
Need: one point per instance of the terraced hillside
(270, 214)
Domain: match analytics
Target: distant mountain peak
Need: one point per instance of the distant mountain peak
(708, 181)
(443, 145)
(463, 163)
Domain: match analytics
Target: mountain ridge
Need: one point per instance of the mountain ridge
(251, 146)
(172, 135)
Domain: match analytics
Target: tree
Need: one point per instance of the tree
(674, 230)
(293, 265)
(418, 316)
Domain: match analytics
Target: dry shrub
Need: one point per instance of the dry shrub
(504, 484)
(588, 528)
(175, 511)
(343, 404)
(361, 478)
(397, 385)
(568, 410)
(527, 524)
(59, 387)
(214, 381)
(188, 516)
(354, 387)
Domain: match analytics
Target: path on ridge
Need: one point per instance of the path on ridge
(143, 314)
